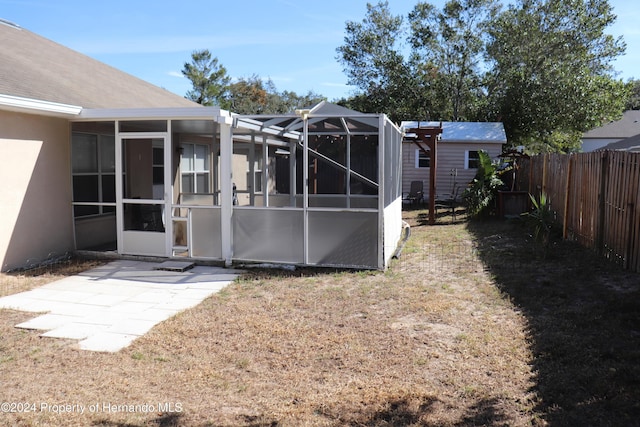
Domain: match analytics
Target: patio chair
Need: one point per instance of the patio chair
(450, 201)
(416, 193)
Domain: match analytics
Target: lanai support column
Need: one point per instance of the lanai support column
(226, 188)
(304, 115)
(251, 181)
(265, 171)
(292, 174)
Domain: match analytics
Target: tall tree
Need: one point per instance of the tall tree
(209, 79)
(248, 96)
(254, 96)
(551, 76)
(372, 59)
(440, 78)
(449, 45)
(287, 101)
(633, 102)
(371, 49)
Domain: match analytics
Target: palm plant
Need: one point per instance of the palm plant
(483, 188)
(540, 218)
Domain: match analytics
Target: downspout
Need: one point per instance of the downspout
(406, 230)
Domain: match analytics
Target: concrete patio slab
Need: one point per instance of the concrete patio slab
(106, 342)
(132, 327)
(110, 306)
(74, 331)
(155, 313)
(46, 322)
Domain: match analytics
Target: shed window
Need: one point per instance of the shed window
(423, 160)
(472, 160)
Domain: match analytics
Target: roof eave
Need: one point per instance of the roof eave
(37, 106)
(185, 113)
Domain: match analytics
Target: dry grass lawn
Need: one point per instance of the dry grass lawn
(470, 327)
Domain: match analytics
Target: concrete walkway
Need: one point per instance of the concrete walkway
(108, 307)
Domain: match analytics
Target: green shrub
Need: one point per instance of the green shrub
(540, 219)
(484, 187)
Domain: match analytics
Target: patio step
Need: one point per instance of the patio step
(176, 266)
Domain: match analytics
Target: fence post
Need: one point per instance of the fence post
(567, 194)
(543, 188)
(604, 178)
(629, 252)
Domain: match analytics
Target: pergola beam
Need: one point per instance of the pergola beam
(429, 135)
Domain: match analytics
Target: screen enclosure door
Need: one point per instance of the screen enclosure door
(144, 188)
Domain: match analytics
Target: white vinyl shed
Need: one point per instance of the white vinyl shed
(317, 187)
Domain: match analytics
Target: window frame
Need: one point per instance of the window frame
(420, 156)
(101, 172)
(468, 158)
(194, 172)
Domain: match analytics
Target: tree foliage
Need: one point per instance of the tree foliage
(633, 100)
(542, 67)
(371, 50)
(551, 70)
(449, 44)
(373, 61)
(254, 96)
(246, 95)
(208, 78)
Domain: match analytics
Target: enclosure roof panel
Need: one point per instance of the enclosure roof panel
(324, 117)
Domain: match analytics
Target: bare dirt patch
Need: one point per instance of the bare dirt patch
(450, 335)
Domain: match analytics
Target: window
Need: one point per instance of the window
(257, 172)
(157, 158)
(93, 168)
(471, 160)
(194, 168)
(423, 160)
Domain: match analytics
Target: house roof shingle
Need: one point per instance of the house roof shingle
(34, 67)
(627, 144)
(626, 127)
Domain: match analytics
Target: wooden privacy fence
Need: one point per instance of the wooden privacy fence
(595, 197)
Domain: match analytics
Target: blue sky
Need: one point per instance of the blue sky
(292, 42)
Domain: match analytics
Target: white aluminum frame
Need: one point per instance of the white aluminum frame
(126, 242)
(297, 132)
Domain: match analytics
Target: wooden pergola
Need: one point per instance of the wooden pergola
(426, 139)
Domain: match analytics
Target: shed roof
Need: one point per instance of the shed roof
(486, 132)
(34, 67)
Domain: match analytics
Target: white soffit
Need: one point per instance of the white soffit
(28, 105)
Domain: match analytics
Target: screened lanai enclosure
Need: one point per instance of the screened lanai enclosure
(317, 187)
